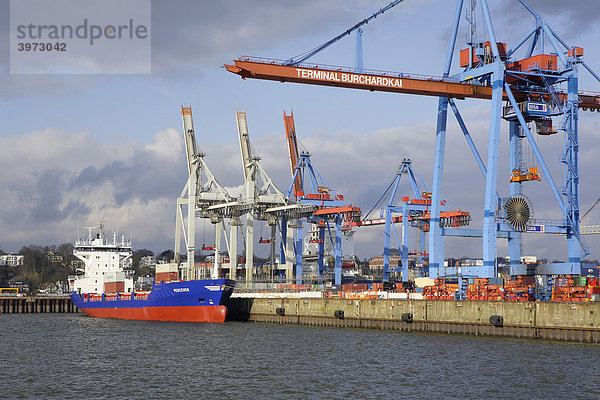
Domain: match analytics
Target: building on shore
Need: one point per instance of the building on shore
(11, 260)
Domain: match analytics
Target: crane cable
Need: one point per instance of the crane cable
(590, 209)
(306, 55)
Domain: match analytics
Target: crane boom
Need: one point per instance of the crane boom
(276, 70)
(290, 136)
(190, 138)
(245, 147)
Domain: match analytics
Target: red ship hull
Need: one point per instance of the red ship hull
(170, 313)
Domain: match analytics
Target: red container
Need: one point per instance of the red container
(464, 57)
(353, 287)
(114, 287)
(594, 289)
(166, 276)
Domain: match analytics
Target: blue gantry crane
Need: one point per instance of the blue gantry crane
(528, 85)
(308, 187)
(526, 89)
(414, 213)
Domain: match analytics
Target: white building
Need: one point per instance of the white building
(11, 260)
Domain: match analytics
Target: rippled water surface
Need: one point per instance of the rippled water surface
(71, 356)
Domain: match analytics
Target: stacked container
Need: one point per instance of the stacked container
(166, 272)
(114, 282)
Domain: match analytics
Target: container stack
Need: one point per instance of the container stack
(520, 289)
(166, 273)
(576, 289)
(114, 282)
(482, 290)
(440, 290)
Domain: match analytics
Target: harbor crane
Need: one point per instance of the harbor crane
(538, 88)
(259, 194)
(309, 188)
(200, 194)
(205, 197)
(414, 212)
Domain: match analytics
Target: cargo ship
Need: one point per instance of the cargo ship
(104, 287)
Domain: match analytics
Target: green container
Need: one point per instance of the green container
(582, 281)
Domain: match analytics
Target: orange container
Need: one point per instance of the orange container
(576, 51)
(464, 57)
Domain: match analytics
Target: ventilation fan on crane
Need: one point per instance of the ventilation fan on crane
(518, 212)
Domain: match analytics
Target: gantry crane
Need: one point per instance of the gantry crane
(259, 194)
(531, 88)
(308, 187)
(414, 212)
(200, 194)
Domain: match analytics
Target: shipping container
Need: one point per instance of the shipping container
(590, 271)
(576, 51)
(114, 276)
(167, 267)
(114, 287)
(422, 282)
(166, 277)
(350, 287)
(496, 281)
(546, 62)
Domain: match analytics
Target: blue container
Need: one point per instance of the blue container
(590, 270)
(496, 281)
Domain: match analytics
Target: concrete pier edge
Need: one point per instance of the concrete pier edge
(573, 322)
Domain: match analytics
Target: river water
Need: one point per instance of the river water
(72, 356)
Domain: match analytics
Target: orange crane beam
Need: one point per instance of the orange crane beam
(344, 77)
(275, 70)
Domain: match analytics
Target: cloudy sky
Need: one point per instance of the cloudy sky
(80, 148)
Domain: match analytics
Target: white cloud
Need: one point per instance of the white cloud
(167, 144)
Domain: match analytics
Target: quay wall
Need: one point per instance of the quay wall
(15, 304)
(574, 322)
